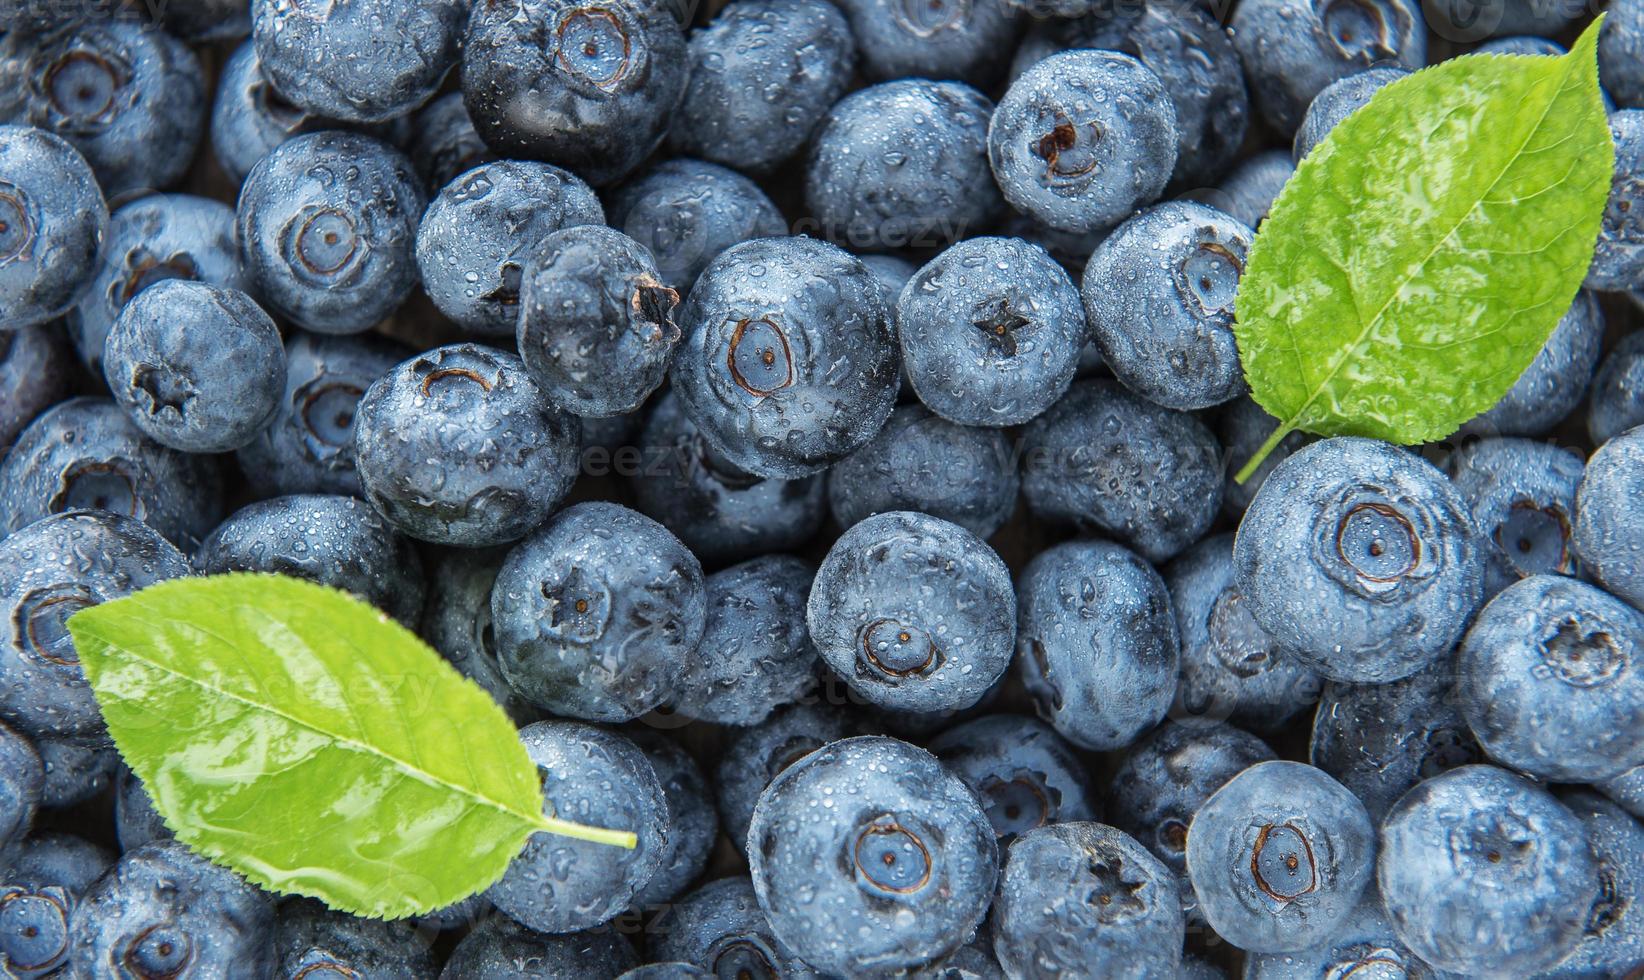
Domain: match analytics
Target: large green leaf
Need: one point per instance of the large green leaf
(308, 741)
(1422, 254)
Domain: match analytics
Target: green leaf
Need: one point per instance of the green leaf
(306, 740)
(1422, 254)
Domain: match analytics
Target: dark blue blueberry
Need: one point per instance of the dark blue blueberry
(1525, 44)
(333, 540)
(1084, 138)
(686, 212)
(311, 941)
(1194, 968)
(590, 87)
(1627, 790)
(1249, 191)
(1522, 495)
(1071, 249)
(1555, 382)
(456, 621)
(757, 755)
(327, 226)
(479, 231)
(1470, 20)
(1338, 100)
(194, 366)
(604, 438)
(1612, 939)
(755, 655)
(922, 462)
(445, 143)
(41, 881)
(84, 454)
(1279, 857)
(1616, 402)
(21, 775)
(990, 332)
(1361, 559)
(762, 72)
(1609, 534)
(667, 971)
(501, 949)
(207, 20)
(164, 911)
(76, 771)
(1365, 945)
(1023, 772)
(52, 224)
(1482, 871)
(914, 613)
(1243, 426)
(52, 858)
(721, 511)
(596, 323)
(1621, 53)
(1096, 640)
(893, 273)
(309, 446)
(1619, 261)
(35, 370)
(558, 884)
(789, 363)
(959, 39)
(596, 612)
(693, 824)
(362, 61)
(136, 822)
(459, 446)
(1159, 295)
(1108, 461)
(896, 873)
(720, 928)
(1084, 899)
(1292, 49)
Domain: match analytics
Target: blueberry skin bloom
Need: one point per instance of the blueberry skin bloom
(164, 910)
(1084, 899)
(693, 825)
(444, 144)
(557, 884)
(1616, 403)
(1554, 383)
(84, 454)
(1621, 53)
(1108, 461)
(52, 224)
(896, 874)
(730, 113)
(903, 164)
(1082, 139)
(1618, 263)
(34, 373)
(943, 39)
(498, 946)
(21, 775)
(1249, 191)
(1159, 294)
(1609, 535)
(361, 61)
(589, 87)
(1523, 497)
(458, 446)
(756, 756)
(596, 612)
(75, 772)
(686, 212)
(596, 325)
(913, 612)
(720, 927)
(1482, 871)
(1361, 559)
(990, 331)
(196, 367)
(475, 238)
(789, 363)
(1364, 946)
(1338, 100)
(456, 621)
(1023, 772)
(327, 226)
(1097, 645)
(311, 940)
(1612, 941)
(1279, 857)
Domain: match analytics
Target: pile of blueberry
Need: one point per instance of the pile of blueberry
(812, 420)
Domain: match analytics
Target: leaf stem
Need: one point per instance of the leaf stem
(1272, 443)
(595, 835)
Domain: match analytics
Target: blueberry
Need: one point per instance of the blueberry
(755, 655)
(1249, 191)
(1083, 138)
(693, 824)
(898, 871)
(721, 511)
(313, 941)
(1361, 559)
(130, 98)
(21, 776)
(1467, 20)
(333, 540)
(75, 771)
(893, 273)
(914, 613)
(1482, 871)
(596, 327)
(902, 164)
(1616, 402)
(957, 39)
(164, 911)
(720, 928)
(456, 621)
(1379, 740)
(1364, 946)
(1619, 261)
(990, 331)
(788, 363)
(596, 612)
(84, 454)
(972, 961)
(361, 61)
(1097, 646)
(591, 88)
(327, 224)
(762, 74)
(1070, 249)
(35, 369)
(558, 884)
(207, 20)
(1524, 44)
(1107, 461)
(1338, 100)
(1159, 294)
(922, 462)
(309, 445)
(52, 224)
(478, 233)
(1609, 535)
(1627, 790)
(445, 144)
(1242, 427)
(667, 971)
(1194, 968)
(1555, 382)
(1292, 49)
(1023, 772)
(136, 822)
(1621, 53)
(1522, 495)
(1279, 857)
(150, 240)
(758, 755)
(41, 883)
(685, 212)
(1612, 940)
(53, 858)
(501, 949)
